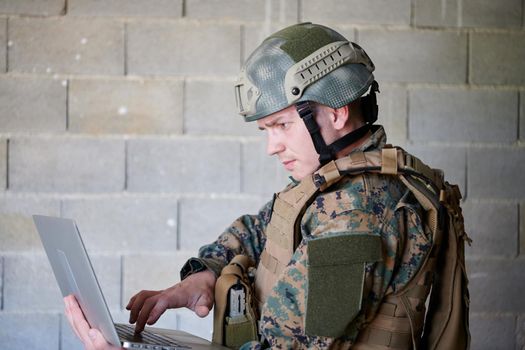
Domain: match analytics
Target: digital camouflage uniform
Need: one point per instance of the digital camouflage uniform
(371, 204)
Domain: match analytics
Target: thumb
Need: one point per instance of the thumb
(202, 310)
(203, 305)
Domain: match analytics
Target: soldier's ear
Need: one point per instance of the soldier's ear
(340, 117)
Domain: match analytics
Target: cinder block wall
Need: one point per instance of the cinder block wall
(120, 114)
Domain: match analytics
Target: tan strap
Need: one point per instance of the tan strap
(331, 174)
(232, 270)
(435, 175)
(271, 263)
(381, 337)
(389, 161)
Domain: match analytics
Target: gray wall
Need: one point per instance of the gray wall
(120, 114)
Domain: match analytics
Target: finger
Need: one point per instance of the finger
(67, 302)
(130, 302)
(97, 340)
(138, 303)
(157, 311)
(144, 314)
(79, 323)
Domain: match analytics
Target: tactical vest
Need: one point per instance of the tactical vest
(401, 321)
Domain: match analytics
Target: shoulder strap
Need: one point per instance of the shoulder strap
(447, 323)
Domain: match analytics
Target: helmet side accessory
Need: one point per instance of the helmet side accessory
(369, 110)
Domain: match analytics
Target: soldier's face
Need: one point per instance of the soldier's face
(288, 138)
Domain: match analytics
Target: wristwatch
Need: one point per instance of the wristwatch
(193, 265)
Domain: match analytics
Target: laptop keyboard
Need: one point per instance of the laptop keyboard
(147, 339)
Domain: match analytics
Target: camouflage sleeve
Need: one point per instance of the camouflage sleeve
(252, 345)
(244, 236)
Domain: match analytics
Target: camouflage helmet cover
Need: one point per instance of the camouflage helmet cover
(303, 62)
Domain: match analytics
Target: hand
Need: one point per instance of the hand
(196, 292)
(90, 337)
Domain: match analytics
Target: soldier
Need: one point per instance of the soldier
(333, 252)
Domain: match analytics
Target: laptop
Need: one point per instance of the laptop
(75, 275)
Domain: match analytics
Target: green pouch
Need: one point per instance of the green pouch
(335, 281)
(239, 331)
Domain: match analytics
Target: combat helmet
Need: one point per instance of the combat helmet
(307, 63)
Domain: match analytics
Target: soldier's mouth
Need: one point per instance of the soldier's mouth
(289, 164)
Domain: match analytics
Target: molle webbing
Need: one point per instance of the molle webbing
(281, 241)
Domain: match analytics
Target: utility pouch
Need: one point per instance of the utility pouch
(335, 281)
(235, 317)
(238, 331)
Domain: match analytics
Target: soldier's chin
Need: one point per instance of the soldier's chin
(297, 175)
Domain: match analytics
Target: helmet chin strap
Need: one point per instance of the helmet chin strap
(328, 152)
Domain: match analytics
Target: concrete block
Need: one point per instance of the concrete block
(520, 330)
(487, 63)
(29, 282)
(457, 115)
(522, 116)
(29, 330)
(151, 272)
(1, 282)
(244, 10)
(357, 11)
(122, 224)
(522, 229)
(452, 160)
(3, 45)
(495, 172)
(261, 174)
(66, 45)
(284, 11)
(437, 13)
(493, 228)
(496, 285)
(3, 164)
(126, 8)
(31, 7)
(468, 13)
(68, 339)
(183, 165)
(32, 105)
(416, 56)
(17, 230)
(203, 220)
(392, 102)
(180, 48)
(125, 106)
(191, 323)
(209, 108)
(505, 13)
(490, 332)
(66, 165)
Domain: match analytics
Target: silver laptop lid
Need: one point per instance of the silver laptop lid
(73, 271)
